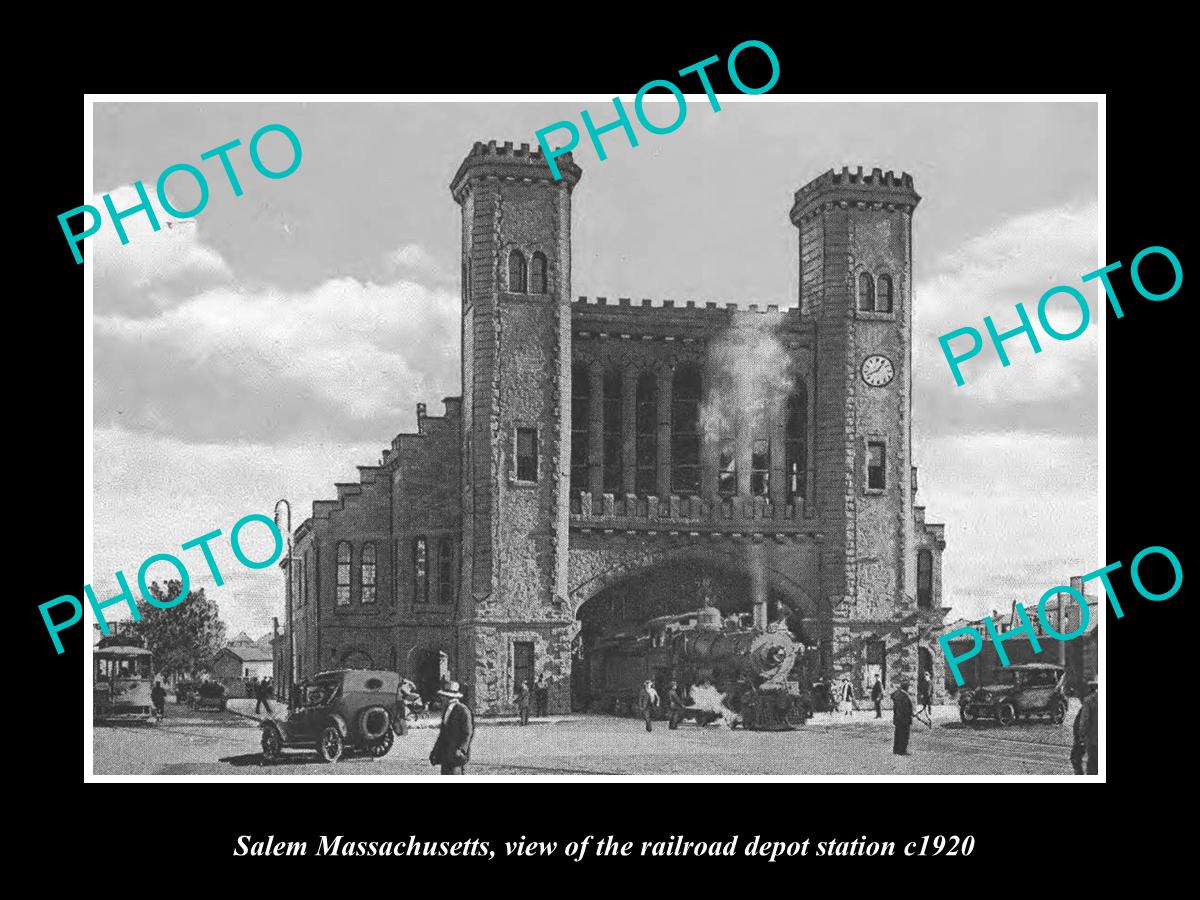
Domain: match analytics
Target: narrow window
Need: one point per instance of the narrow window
(795, 461)
(727, 467)
(924, 579)
(685, 430)
(760, 450)
(614, 439)
(526, 454)
(516, 273)
(646, 480)
(367, 572)
(866, 293)
(876, 456)
(343, 573)
(420, 553)
(537, 274)
(446, 571)
(885, 294)
(581, 416)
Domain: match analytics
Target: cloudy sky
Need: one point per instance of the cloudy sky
(286, 335)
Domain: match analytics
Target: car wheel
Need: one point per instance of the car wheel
(330, 745)
(272, 744)
(382, 746)
(1005, 714)
(1058, 713)
(374, 723)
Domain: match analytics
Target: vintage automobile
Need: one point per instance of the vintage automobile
(336, 713)
(185, 690)
(1021, 691)
(208, 695)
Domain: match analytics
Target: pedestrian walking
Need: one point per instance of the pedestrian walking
(877, 697)
(524, 697)
(1087, 738)
(925, 692)
(902, 716)
(846, 696)
(648, 702)
(675, 705)
(263, 693)
(452, 749)
(158, 696)
(541, 695)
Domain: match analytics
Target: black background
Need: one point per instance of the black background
(1150, 485)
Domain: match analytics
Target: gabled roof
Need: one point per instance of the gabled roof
(252, 653)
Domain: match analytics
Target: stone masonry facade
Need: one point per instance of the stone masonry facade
(597, 464)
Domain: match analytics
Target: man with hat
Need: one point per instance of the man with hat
(902, 716)
(452, 750)
(1087, 736)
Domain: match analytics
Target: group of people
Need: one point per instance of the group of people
(649, 702)
(537, 694)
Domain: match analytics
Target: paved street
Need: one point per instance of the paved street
(223, 743)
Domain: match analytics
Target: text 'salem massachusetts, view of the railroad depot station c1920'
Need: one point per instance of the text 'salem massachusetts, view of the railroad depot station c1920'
(613, 461)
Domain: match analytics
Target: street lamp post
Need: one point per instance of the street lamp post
(286, 527)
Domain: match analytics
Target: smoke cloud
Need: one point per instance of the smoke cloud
(709, 699)
(749, 377)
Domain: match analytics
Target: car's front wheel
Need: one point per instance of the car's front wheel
(1005, 714)
(272, 744)
(330, 744)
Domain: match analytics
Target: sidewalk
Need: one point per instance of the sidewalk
(245, 707)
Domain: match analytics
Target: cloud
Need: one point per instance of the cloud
(989, 274)
(1020, 511)
(346, 359)
(155, 492)
(155, 268)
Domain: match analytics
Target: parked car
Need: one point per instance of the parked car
(184, 691)
(1032, 689)
(338, 712)
(209, 695)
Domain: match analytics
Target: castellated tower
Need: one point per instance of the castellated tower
(513, 619)
(856, 291)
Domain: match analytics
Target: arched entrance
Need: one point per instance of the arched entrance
(616, 616)
(428, 668)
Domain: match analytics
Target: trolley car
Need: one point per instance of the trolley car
(122, 676)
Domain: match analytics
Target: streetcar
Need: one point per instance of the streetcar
(122, 676)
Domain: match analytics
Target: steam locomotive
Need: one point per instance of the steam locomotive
(750, 667)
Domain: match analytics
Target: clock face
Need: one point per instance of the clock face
(877, 370)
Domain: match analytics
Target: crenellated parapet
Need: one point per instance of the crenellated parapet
(878, 190)
(520, 163)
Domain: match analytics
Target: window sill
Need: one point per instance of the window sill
(874, 492)
(875, 316)
(517, 482)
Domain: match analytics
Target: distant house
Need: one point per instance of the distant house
(237, 662)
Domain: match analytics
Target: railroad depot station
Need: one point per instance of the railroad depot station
(611, 461)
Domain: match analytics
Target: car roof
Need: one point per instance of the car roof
(1037, 666)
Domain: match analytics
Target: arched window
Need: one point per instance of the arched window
(646, 414)
(685, 430)
(795, 430)
(723, 424)
(866, 293)
(343, 573)
(924, 579)
(760, 449)
(516, 273)
(614, 436)
(885, 294)
(445, 571)
(537, 274)
(366, 567)
(420, 557)
(581, 417)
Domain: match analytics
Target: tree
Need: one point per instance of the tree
(183, 637)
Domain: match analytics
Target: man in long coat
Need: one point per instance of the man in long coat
(1087, 735)
(647, 703)
(452, 750)
(902, 715)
